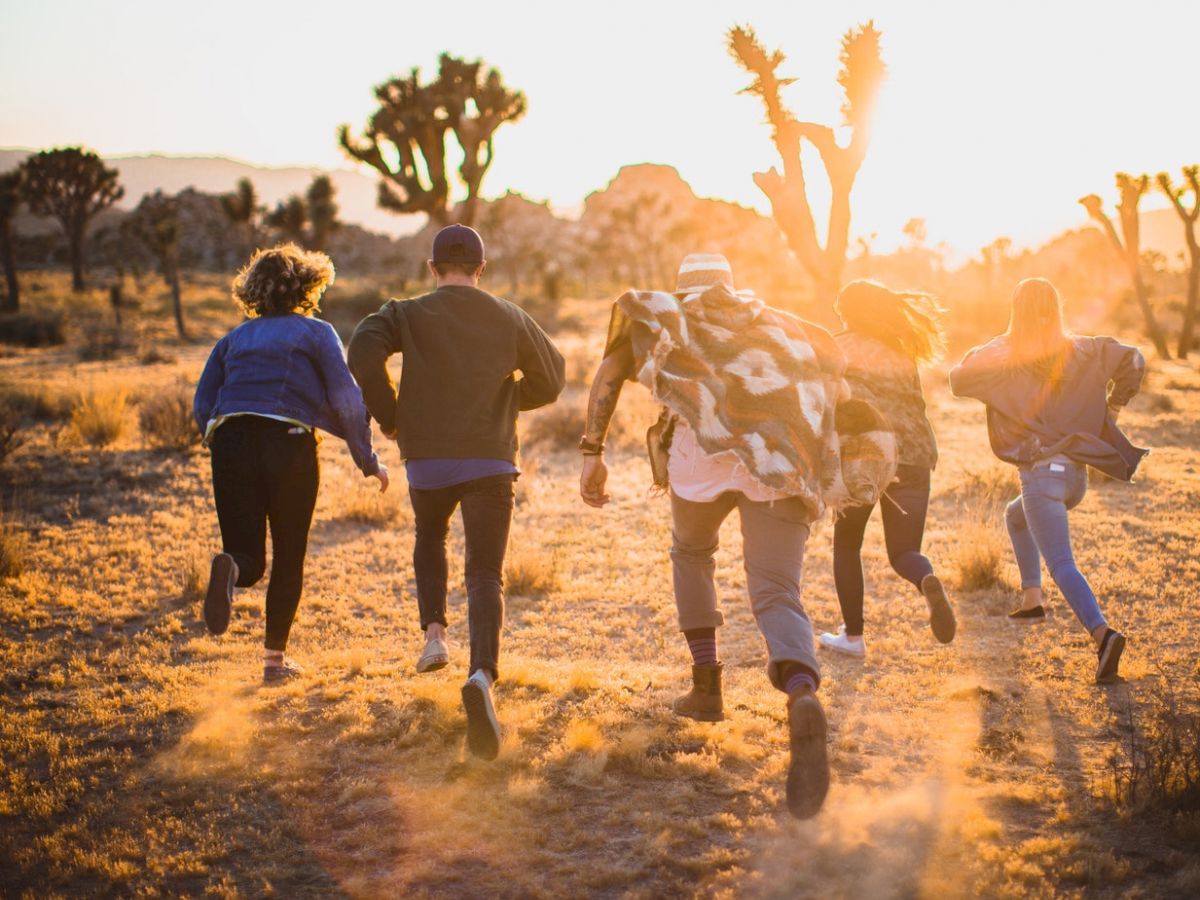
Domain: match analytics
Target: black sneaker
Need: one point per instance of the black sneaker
(941, 616)
(808, 772)
(1034, 612)
(483, 731)
(218, 601)
(1112, 645)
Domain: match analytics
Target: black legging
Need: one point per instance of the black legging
(264, 474)
(904, 506)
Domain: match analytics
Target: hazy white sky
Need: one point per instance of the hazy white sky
(995, 119)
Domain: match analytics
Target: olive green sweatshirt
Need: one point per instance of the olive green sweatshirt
(459, 392)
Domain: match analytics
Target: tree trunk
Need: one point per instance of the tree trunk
(1193, 299)
(177, 301)
(75, 247)
(12, 302)
(1152, 330)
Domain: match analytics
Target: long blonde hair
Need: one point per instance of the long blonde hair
(1037, 339)
(906, 320)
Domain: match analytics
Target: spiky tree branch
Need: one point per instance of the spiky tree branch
(862, 73)
(405, 139)
(1127, 246)
(1191, 179)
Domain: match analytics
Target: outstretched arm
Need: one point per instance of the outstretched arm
(373, 341)
(602, 403)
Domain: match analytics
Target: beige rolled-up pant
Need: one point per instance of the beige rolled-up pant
(774, 535)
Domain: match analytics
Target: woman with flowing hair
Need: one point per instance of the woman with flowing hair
(1053, 400)
(267, 386)
(888, 335)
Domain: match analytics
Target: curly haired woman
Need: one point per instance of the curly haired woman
(267, 386)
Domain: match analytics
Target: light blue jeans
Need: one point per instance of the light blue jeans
(1038, 528)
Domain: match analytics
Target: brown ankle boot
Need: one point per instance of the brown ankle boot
(703, 701)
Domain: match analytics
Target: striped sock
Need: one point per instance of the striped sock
(703, 644)
(797, 677)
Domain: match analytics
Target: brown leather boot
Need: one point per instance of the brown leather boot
(703, 701)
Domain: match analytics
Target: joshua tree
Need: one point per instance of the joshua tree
(1131, 189)
(10, 199)
(155, 224)
(322, 211)
(290, 218)
(861, 75)
(73, 185)
(1191, 175)
(242, 209)
(405, 139)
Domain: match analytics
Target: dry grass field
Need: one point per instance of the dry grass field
(140, 756)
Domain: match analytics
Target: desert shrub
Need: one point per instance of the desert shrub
(365, 505)
(14, 546)
(193, 576)
(98, 342)
(166, 420)
(988, 487)
(558, 427)
(979, 556)
(530, 573)
(1158, 767)
(12, 429)
(37, 402)
(31, 329)
(99, 416)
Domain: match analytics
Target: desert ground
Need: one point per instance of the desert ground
(141, 756)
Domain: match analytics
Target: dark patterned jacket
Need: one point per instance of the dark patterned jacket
(889, 381)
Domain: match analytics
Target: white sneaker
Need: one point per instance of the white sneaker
(843, 644)
(483, 731)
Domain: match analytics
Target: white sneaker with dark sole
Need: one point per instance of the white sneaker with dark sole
(842, 644)
(483, 731)
(218, 599)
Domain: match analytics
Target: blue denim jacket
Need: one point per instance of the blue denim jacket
(291, 366)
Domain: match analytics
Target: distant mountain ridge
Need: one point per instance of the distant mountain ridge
(1161, 230)
(356, 191)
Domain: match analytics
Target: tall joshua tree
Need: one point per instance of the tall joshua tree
(155, 224)
(861, 76)
(290, 218)
(73, 185)
(1128, 246)
(322, 211)
(405, 139)
(1191, 177)
(241, 207)
(10, 199)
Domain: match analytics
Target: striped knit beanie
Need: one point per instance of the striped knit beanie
(700, 271)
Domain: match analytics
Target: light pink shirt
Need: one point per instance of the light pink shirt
(701, 477)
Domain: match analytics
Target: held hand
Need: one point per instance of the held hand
(593, 480)
(382, 475)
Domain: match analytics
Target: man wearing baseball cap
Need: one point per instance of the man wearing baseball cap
(454, 416)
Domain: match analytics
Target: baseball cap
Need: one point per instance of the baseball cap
(458, 244)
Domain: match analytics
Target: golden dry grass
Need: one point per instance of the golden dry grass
(138, 755)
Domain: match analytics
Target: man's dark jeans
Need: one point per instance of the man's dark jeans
(262, 474)
(487, 506)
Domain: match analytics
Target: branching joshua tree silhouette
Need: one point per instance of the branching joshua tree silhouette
(862, 73)
(73, 185)
(322, 211)
(1127, 245)
(155, 224)
(290, 219)
(242, 208)
(1191, 179)
(10, 199)
(405, 139)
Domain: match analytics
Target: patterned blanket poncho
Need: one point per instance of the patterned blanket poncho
(763, 384)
